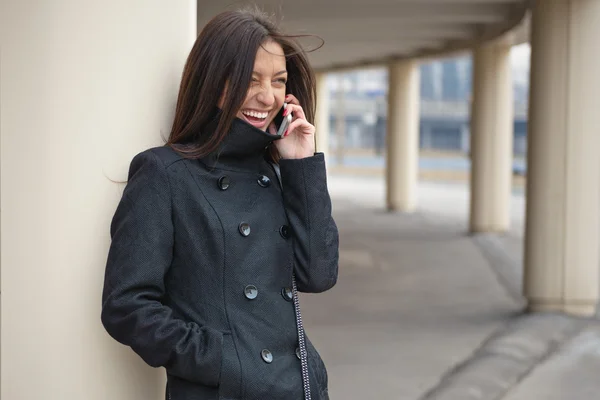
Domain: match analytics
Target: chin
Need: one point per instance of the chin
(266, 129)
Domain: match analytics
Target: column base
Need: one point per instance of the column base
(400, 208)
(582, 308)
(499, 229)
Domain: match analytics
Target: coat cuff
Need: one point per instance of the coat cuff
(295, 171)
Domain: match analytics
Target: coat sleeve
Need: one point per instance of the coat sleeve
(308, 206)
(140, 255)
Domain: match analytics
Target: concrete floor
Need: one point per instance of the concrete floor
(424, 311)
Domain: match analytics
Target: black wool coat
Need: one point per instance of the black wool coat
(199, 271)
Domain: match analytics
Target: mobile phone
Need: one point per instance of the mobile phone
(282, 123)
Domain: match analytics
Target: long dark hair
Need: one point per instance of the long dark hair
(224, 54)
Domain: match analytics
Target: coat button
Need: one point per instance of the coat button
(244, 229)
(224, 182)
(298, 354)
(285, 231)
(267, 356)
(264, 181)
(250, 292)
(287, 293)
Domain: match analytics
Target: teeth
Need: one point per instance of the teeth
(255, 114)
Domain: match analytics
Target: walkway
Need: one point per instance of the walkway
(423, 311)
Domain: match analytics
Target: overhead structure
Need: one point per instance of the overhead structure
(360, 33)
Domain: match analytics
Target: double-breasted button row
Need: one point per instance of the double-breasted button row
(245, 230)
(267, 356)
(251, 292)
(224, 182)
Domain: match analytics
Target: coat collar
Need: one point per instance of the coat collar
(244, 147)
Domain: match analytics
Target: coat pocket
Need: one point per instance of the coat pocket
(181, 389)
(230, 378)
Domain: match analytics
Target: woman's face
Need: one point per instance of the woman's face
(267, 89)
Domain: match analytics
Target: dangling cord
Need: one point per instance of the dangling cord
(301, 341)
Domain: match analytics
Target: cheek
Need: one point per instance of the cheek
(280, 97)
(249, 98)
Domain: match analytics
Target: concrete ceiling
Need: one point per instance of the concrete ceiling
(360, 33)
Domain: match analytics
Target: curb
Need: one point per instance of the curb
(506, 358)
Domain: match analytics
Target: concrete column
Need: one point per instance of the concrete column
(85, 85)
(491, 139)
(402, 136)
(340, 121)
(562, 244)
(322, 116)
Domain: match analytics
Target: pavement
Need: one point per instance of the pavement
(424, 311)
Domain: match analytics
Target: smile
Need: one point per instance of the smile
(257, 119)
(255, 114)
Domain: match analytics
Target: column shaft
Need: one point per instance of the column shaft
(491, 139)
(85, 86)
(562, 245)
(402, 136)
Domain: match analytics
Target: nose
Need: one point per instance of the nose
(266, 95)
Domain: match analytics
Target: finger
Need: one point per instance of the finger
(290, 98)
(272, 130)
(301, 125)
(296, 110)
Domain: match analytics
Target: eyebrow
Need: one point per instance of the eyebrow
(279, 73)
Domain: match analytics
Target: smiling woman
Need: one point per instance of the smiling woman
(243, 64)
(208, 249)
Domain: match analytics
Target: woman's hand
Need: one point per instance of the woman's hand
(299, 140)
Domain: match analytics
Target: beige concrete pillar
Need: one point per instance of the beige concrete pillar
(322, 116)
(492, 118)
(340, 120)
(562, 245)
(402, 136)
(85, 85)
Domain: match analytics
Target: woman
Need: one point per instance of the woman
(207, 246)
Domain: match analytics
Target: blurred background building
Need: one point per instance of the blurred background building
(444, 126)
